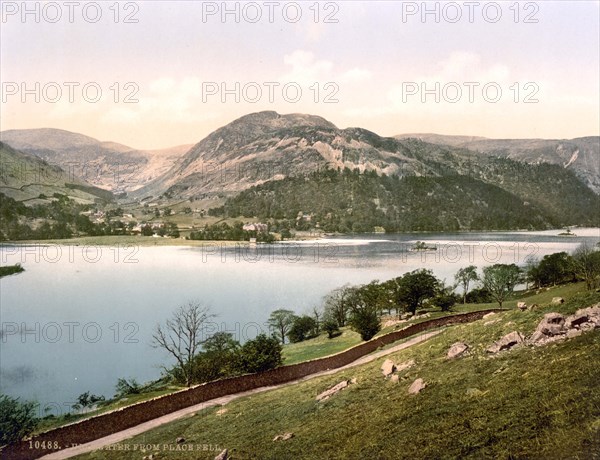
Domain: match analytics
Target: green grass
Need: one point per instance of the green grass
(528, 403)
(320, 346)
(49, 423)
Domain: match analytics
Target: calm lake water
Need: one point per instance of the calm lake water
(81, 317)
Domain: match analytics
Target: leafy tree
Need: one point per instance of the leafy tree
(302, 328)
(445, 299)
(17, 419)
(261, 354)
(464, 277)
(126, 387)
(553, 269)
(219, 358)
(500, 280)
(415, 287)
(87, 400)
(332, 328)
(337, 305)
(366, 322)
(364, 310)
(147, 230)
(281, 322)
(586, 265)
(181, 336)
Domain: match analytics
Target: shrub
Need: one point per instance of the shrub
(17, 419)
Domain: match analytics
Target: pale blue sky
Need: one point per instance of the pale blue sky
(369, 54)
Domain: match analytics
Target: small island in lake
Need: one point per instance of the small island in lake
(568, 232)
(11, 270)
(422, 246)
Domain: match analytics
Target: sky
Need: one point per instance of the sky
(155, 74)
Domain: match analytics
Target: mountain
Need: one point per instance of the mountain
(25, 177)
(107, 165)
(582, 154)
(279, 166)
(268, 146)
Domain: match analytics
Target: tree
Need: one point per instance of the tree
(261, 354)
(17, 419)
(332, 329)
(586, 264)
(281, 321)
(464, 277)
(126, 387)
(147, 230)
(181, 336)
(415, 287)
(336, 305)
(317, 315)
(446, 298)
(302, 328)
(364, 311)
(218, 359)
(500, 280)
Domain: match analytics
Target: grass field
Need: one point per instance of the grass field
(538, 403)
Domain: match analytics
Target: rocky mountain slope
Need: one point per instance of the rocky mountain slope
(25, 177)
(582, 155)
(107, 165)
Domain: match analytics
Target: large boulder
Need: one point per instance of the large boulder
(417, 386)
(283, 437)
(332, 391)
(582, 316)
(552, 324)
(388, 367)
(457, 349)
(405, 365)
(507, 342)
(224, 455)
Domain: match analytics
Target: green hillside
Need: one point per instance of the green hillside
(499, 195)
(527, 403)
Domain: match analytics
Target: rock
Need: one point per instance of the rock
(572, 333)
(395, 378)
(508, 341)
(552, 324)
(283, 437)
(180, 440)
(557, 301)
(354, 381)
(222, 411)
(388, 367)
(522, 306)
(533, 306)
(488, 315)
(224, 455)
(584, 315)
(332, 391)
(457, 350)
(405, 365)
(417, 386)
(475, 392)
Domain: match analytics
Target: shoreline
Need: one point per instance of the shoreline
(149, 241)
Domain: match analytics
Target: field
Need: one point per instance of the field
(526, 403)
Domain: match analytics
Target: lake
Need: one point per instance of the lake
(81, 317)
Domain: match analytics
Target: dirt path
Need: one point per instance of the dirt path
(188, 411)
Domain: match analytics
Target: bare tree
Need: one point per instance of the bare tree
(181, 336)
